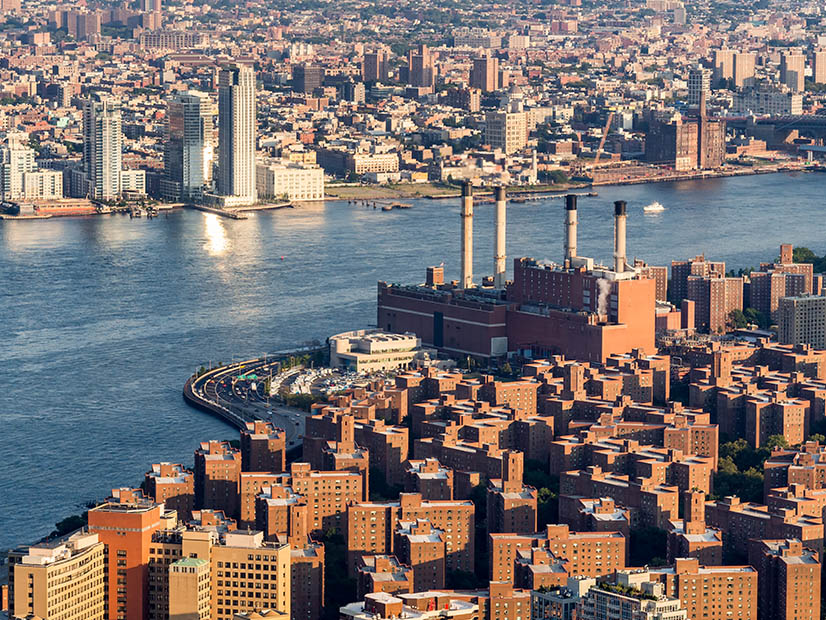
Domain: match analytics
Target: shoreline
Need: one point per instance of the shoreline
(701, 175)
(431, 191)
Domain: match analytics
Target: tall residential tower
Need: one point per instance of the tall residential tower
(236, 133)
(189, 147)
(102, 144)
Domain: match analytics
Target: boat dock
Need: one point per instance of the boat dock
(381, 203)
(228, 213)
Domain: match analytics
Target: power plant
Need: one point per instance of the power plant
(578, 308)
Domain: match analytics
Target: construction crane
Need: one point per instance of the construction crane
(604, 135)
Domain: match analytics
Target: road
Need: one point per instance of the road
(222, 388)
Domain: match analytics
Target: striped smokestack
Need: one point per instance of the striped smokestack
(499, 242)
(570, 226)
(467, 235)
(619, 236)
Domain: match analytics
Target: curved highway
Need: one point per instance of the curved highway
(238, 401)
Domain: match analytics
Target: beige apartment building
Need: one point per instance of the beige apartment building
(233, 571)
(61, 580)
(506, 130)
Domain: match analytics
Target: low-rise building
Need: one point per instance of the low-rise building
(289, 181)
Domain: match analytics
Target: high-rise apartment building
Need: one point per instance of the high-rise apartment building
(16, 159)
(61, 580)
(374, 68)
(590, 554)
(699, 85)
(789, 575)
(263, 447)
(711, 592)
(689, 537)
(102, 146)
(307, 78)
(422, 547)
(429, 478)
(802, 320)
(125, 525)
(715, 298)
(237, 570)
(792, 66)
(173, 486)
(189, 149)
(697, 266)
(420, 68)
(236, 134)
(370, 527)
(189, 589)
(819, 66)
(743, 69)
(506, 129)
(511, 505)
(217, 472)
(723, 62)
(484, 73)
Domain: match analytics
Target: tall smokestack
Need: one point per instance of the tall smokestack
(467, 235)
(499, 243)
(619, 236)
(570, 226)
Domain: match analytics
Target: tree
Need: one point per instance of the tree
(737, 319)
(776, 441)
(803, 255)
(818, 438)
(647, 543)
(757, 317)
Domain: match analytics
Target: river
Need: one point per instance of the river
(103, 318)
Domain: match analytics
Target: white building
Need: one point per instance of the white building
(16, 160)
(133, 182)
(802, 320)
(371, 350)
(102, 147)
(766, 99)
(634, 596)
(19, 175)
(236, 134)
(476, 37)
(43, 185)
(507, 130)
(560, 603)
(293, 181)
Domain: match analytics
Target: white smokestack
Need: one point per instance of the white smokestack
(619, 236)
(499, 242)
(570, 226)
(467, 235)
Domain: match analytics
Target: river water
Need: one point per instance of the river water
(102, 319)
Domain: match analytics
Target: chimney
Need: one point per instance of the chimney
(499, 243)
(570, 226)
(467, 235)
(619, 236)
